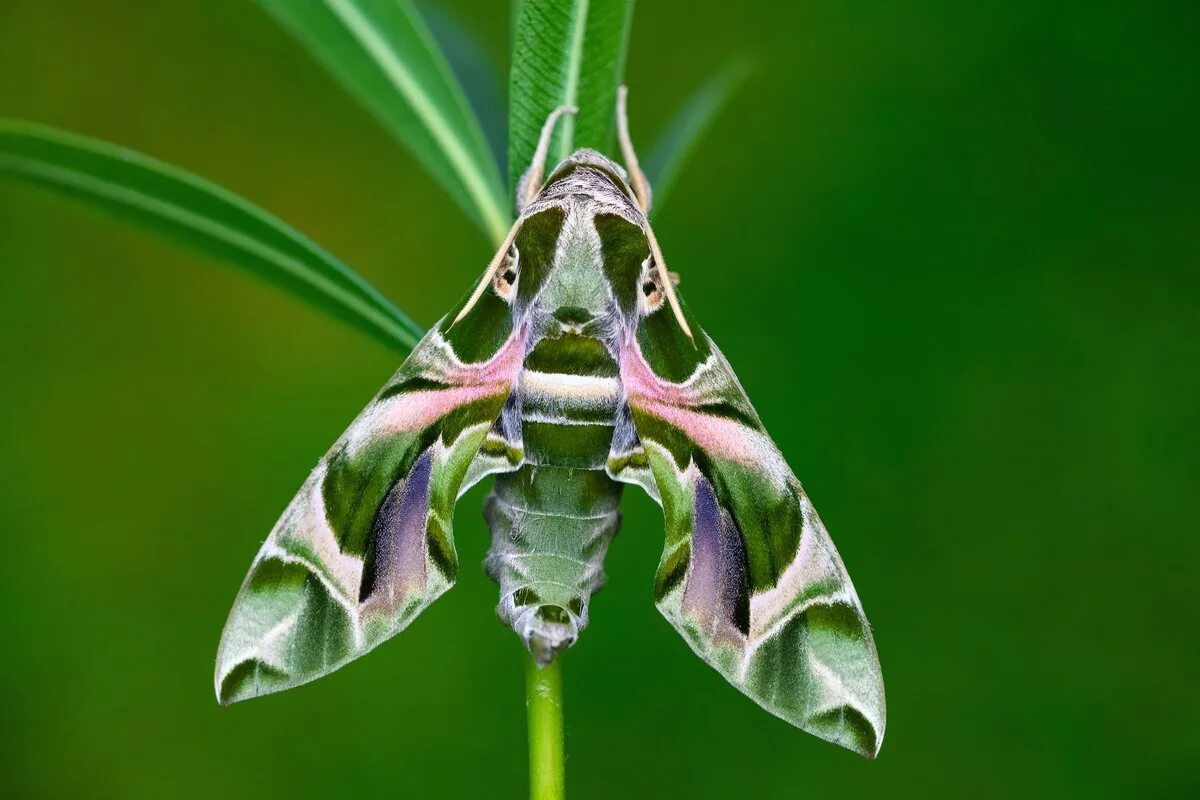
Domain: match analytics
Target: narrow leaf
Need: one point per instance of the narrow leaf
(383, 54)
(188, 208)
(572, 53)
(688, 126)
(514, 15)
(476, 72)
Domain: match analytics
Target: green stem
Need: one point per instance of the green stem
(543, 703)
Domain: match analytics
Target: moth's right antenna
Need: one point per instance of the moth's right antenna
(641, 190)
(637, 179)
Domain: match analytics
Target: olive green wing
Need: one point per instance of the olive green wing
(366, 544)
(749, 575)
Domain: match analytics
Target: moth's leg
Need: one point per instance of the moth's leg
(641, 187)
(531, 182)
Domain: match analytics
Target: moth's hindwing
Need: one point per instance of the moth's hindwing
(749, 576)
(367, 544)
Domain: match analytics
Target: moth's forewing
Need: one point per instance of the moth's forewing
(367, 543)
(749, 576)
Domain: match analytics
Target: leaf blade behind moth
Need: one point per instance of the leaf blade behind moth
(384, 55)
(565, 53)
(188, 208)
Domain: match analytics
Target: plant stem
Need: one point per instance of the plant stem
(543, 704)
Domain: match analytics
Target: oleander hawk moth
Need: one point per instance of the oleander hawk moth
(572, 369)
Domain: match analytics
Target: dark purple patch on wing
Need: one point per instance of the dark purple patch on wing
(716, 594)
(702, 593)
(398, 566)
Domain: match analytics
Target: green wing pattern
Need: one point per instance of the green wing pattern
(749, 576)
(366, 545)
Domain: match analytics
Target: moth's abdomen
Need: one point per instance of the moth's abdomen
(553, 518)
(550, 528)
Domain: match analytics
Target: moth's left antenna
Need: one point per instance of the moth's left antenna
(527, 189)
(531, 182)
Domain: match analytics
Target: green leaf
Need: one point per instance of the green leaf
(382, 53)
(567, 52)
(688, 126)
(176, 203)
(476, 72)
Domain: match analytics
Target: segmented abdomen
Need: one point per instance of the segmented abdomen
(553, 518)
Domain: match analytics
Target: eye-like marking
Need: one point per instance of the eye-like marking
(504, 280)
(651, 297)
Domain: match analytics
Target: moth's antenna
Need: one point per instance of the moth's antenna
(531, 181)
(641, 187)
(527, 189)
(642, 191)
(488, 273)
(664, 278)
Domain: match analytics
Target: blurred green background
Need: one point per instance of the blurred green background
(952, 249)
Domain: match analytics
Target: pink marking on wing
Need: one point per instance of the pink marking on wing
(412, 412)
(719, 436)
(670, 402)
(639, 379)
(500, 368)
(417, 410)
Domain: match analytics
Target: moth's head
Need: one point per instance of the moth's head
(582, 257)
(581, 254)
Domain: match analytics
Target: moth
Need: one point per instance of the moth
(572, 369)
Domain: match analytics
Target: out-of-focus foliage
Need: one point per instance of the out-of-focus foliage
(688, 126)
(196, 212)
(951, 249)
(384, 55)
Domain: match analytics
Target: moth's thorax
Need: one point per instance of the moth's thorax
(575, 287)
